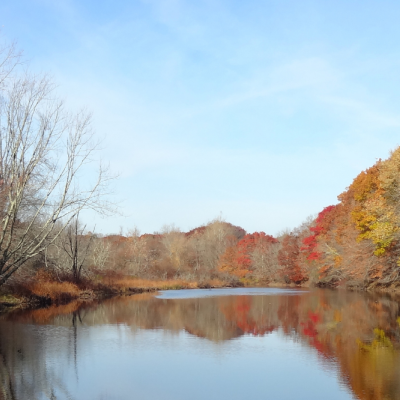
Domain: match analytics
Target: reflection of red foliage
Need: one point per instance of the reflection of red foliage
(314, 317)
(239, 313)
(310, 330)
(247, 320)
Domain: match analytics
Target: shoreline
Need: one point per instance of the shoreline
(9, 302)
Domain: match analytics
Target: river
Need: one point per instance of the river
(260, 343)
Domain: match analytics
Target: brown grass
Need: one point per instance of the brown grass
(51, 291)
(45, 285)
(55, 290)
(126, 283)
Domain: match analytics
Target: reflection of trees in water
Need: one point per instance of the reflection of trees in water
(6, 388)
(341, 327)
(24, 372)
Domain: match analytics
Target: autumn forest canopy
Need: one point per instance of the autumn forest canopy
(354, 243)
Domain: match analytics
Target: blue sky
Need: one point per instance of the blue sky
(263, 111)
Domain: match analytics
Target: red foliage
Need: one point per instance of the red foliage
(310, 243)
(151, 236)
(288, 258)
(248, 244)
(198, 230)
(115, 239)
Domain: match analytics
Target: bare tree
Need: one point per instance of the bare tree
(76, 243)
(265, 260)
(214, 242)
(175, 245)
(10, 58)
(100, 253)
(137, 254)
(43, 151)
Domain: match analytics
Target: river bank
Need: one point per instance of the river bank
(47, 293)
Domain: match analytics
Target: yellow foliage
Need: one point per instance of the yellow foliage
(375, 215)
(389, 175)
(380, 341)
(338, 261)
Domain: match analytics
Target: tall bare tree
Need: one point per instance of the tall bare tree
(100, 253)
(137, 253)
(43, 151)
(174, 243)
(76, 244)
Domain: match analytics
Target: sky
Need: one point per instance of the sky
(260, 111)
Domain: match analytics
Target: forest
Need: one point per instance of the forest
(353, 244)
(47, 254)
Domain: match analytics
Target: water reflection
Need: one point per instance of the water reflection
(318, 344)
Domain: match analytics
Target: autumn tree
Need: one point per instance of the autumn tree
(211, 242)
(288, 258)
(137, 254)
(264, 258)
(43, 151)
(174, 243)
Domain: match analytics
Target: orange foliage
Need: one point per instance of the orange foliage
(237, 259)
(288, 258)
(228, 262)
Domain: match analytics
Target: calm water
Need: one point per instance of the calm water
(206, 344)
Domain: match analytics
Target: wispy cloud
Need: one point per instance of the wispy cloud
(216, 106)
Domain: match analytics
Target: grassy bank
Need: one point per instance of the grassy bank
(45, 289)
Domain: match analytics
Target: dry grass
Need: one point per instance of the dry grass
(126, 283)
(55, 290)
(51, 291)
(45, 285)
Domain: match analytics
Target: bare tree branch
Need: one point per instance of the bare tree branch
(43, 151)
